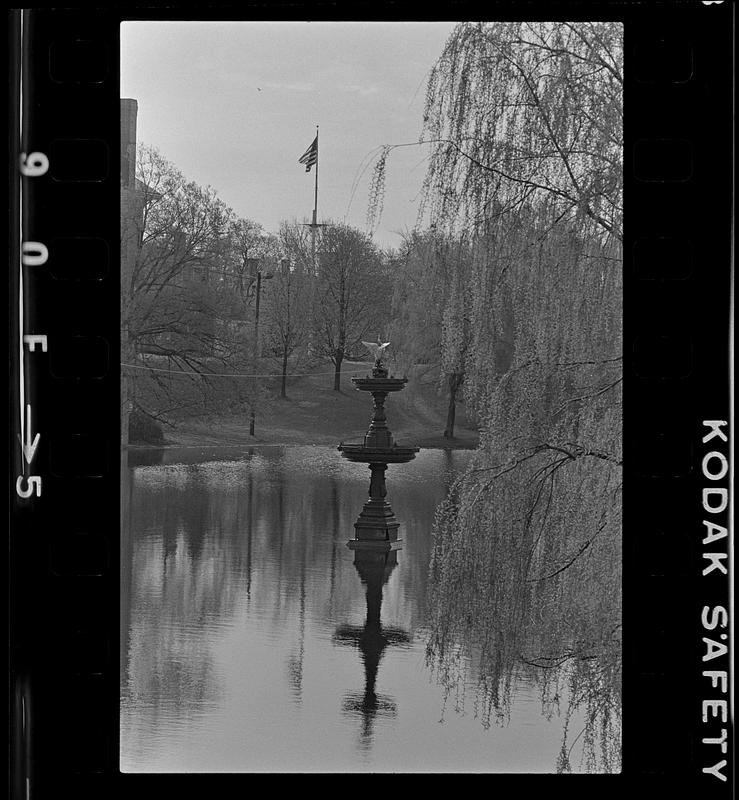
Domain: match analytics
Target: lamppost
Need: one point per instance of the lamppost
(258, 279)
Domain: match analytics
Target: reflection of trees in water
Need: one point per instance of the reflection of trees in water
(525, 585)
(180, 591)
(209, 541)
(296, 657)
(168, 666)
(263, 539)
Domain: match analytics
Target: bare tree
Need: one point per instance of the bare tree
(289, 299)
(252, 249)
(352, 294)
(178, 298)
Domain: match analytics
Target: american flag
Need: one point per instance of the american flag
(310, 156)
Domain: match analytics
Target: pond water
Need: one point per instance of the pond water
(252, 639)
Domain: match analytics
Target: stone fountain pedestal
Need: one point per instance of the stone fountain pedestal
(377, 526)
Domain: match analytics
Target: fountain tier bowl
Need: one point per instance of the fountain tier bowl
(378, 455)
(379, 384)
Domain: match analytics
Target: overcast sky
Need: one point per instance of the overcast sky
(235, 104)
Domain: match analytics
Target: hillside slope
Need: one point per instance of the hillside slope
(314, 413)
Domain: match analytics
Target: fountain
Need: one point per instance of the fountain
(377, 526)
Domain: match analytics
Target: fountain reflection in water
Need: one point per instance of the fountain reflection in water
(371, 639)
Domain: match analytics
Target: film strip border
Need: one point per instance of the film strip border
(64, 396)
(64, 409)
(678, 257)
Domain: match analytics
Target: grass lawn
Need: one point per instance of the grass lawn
(313, 413)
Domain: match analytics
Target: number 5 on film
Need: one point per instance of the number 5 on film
(33, 486)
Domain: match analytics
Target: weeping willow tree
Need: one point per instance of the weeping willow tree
(524, 126)
(430, 328)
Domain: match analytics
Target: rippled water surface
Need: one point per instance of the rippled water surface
(252, 641)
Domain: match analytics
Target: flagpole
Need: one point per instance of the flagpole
(315, 204)
(314, 226)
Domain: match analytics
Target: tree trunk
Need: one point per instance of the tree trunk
(337, 371)
(283, 391)
(128, 388)
(124, 408)
(455, 380)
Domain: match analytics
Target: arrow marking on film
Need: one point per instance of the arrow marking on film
(29, 445)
